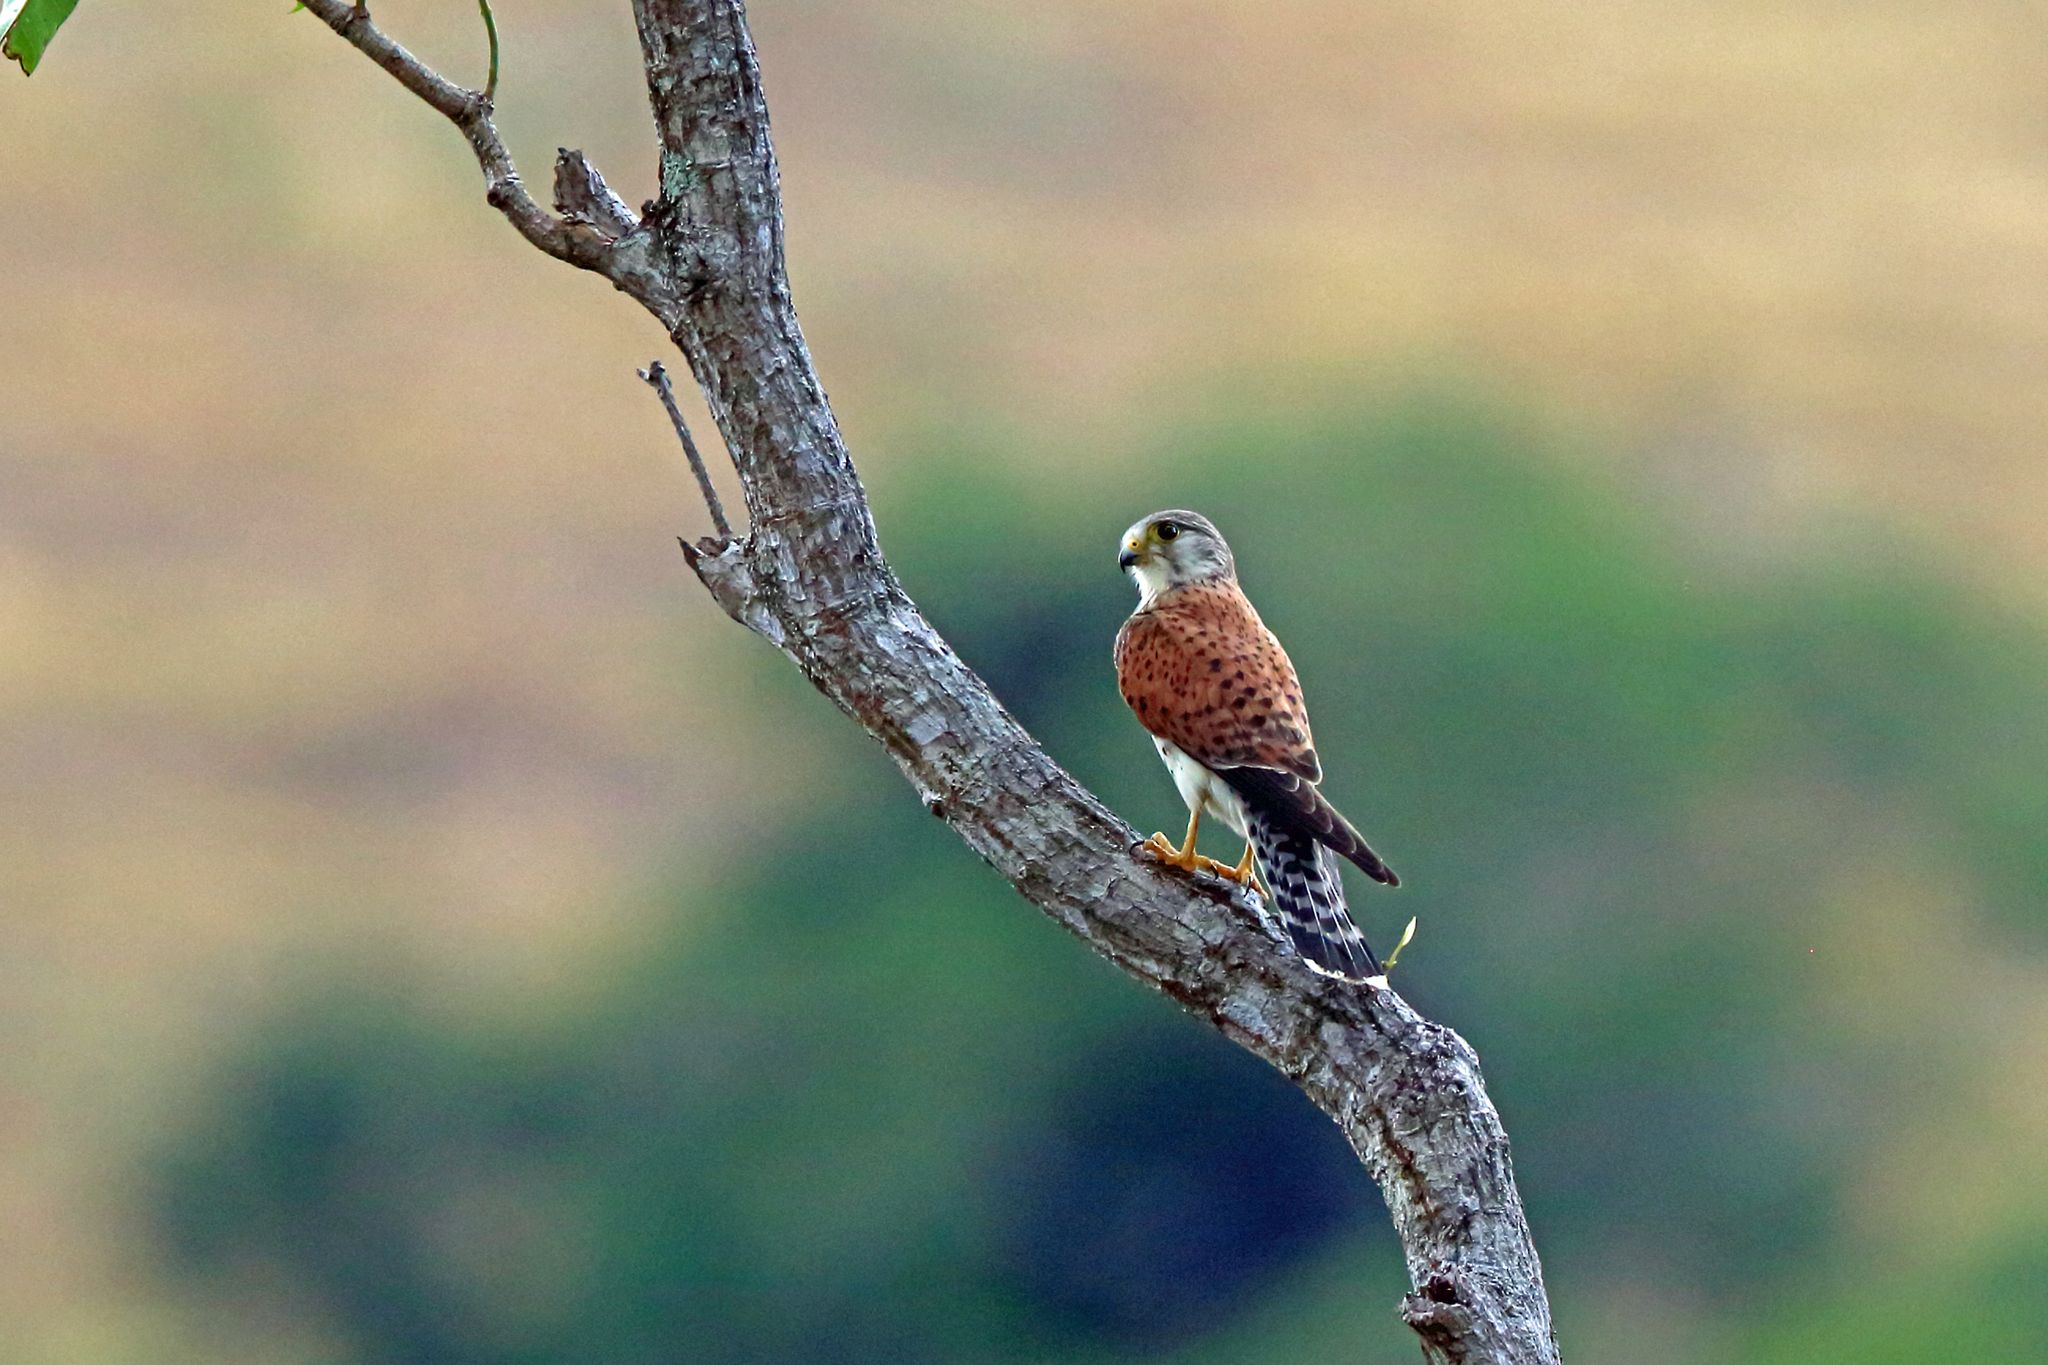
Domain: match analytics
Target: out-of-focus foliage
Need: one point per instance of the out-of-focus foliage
(876, 1113)
(1675, 837)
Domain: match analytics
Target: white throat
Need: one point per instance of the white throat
(1151, 577)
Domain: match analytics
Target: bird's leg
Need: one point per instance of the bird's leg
(1185, 858)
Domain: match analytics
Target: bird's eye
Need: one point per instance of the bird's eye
(1168, 530)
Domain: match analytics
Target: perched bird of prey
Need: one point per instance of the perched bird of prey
(1221, 699)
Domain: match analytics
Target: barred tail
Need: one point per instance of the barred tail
(1308, 899)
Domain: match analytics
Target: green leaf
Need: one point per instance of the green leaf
(30, 27)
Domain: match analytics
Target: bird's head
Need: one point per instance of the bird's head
(1169, 549)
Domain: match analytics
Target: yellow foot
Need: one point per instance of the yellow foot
(1186, 859)
(1163, 848)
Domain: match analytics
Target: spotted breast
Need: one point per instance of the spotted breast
(1202, 672)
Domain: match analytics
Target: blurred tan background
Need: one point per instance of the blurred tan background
(340, 616)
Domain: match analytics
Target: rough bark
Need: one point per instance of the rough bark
(706, 259)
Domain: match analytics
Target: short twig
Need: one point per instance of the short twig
(581, 196)
(657, 376)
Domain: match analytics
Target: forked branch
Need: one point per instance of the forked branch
(602, 244)
(705, 257)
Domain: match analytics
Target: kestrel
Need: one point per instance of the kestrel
(1221, 699)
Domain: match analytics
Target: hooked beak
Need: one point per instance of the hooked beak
(1126, 559)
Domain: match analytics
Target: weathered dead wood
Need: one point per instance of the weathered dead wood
(706, 259)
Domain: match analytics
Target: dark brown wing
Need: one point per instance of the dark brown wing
(1294, 805)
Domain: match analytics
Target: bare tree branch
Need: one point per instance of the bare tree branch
(706, 258)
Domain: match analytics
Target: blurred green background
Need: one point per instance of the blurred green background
(434, 933)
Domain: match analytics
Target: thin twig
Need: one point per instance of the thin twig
(490, 27)
(656, 375)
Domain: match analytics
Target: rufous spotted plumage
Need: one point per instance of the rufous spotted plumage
(1204, 675)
